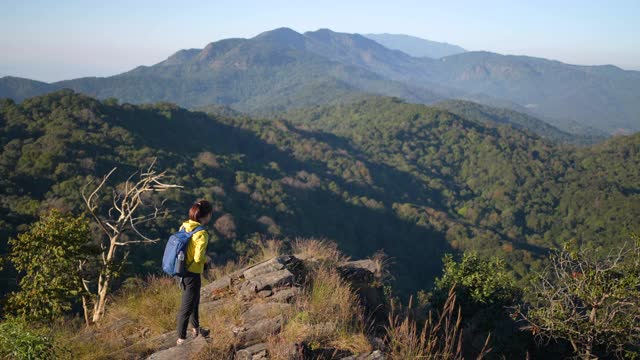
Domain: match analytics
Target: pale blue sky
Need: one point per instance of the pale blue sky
(55, 40)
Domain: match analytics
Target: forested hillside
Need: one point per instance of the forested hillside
(377, 174)
(514, 189)
(502, 116)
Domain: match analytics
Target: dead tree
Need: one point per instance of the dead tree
(120, 227)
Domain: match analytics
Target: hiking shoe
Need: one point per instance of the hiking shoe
(201, 331)
(180, 342)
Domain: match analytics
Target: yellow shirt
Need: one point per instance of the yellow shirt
(197, 247)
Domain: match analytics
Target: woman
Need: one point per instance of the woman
(199, 215)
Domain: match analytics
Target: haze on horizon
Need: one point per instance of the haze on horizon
(78, 38)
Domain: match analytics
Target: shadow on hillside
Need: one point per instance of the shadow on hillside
(399, 185)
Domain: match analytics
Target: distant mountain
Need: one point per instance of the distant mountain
(602, 97)
(416, 46)
(282, 69)
(20, 88)
(501, 116)
(275, 70)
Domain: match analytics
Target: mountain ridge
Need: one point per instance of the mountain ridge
(282, 69)
(415, 46)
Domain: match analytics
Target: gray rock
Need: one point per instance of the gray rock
(266, 281)
(256, 333)
(186, 351)
(266, 267)
(285, 295)
(138, 350)
(262, 311)
(255, 352)
(360, 272)
(212, 306)
(216, 289)
(374, 355)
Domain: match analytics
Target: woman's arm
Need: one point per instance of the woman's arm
(200, 242)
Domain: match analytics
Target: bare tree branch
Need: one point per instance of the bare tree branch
(123, 216)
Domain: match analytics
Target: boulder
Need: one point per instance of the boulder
(255, 333)
(285, 295)
(374, 355)
(186, 351)
(360, 272)
(262, 311)
(254, 352)
(145, 347)
(266, 267)
(268, 281)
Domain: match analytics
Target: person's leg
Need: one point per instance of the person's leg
(186, 308)
(195, 318)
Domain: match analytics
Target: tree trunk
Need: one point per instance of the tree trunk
(104, 281)
(85, 310)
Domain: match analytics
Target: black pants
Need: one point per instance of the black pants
(190, 303)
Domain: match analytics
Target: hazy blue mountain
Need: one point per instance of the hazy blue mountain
(20, 88)
(603, 97)
(282, 69)
(492, 115)
(416, 46)
(571, 97)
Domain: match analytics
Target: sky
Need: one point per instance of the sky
(64, 39)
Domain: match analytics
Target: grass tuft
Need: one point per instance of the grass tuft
(439, 338)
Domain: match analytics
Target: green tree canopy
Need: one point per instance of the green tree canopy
(47, 256)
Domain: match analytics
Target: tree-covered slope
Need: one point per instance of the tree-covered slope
(502, 116)
(376, 174)
(264, 177)
(514, 188)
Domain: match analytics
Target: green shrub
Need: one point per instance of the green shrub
(18, 341)
(479, 283)
(47, 257)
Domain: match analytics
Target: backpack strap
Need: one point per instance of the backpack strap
(199, 228)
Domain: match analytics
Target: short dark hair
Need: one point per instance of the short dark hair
(200, 209)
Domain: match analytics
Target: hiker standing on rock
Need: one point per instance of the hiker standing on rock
(195, 258)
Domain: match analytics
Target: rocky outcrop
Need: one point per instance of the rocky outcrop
(263, 293)
(187, 351)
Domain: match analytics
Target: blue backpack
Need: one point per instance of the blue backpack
(173, 260)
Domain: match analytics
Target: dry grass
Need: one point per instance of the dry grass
(439, 338)
(327, 315)
(153, 305)
(354, 342)
(143, 309)
(266, 249)
(221, 321)
(321, 250)
(67, 333)
(330, 297)
(382, 263)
